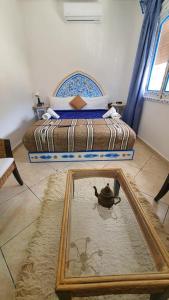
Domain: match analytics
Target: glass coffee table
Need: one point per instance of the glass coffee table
(106, 248)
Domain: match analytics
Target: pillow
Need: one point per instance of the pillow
(111, 113)
(60, 103)
(77, 102)
(63, 103)
(53, 113)
(96, 102)
(46, 116)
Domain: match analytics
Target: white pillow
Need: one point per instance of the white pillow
(60, 103)
(96, 102)
(52, 113)
(112, 113)
(46, 116)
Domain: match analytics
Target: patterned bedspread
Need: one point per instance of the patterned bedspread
(74, 135)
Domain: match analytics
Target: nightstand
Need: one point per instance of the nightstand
(118, 106)
(39, 111)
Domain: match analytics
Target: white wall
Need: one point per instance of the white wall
(105, 51)
(154, 127)
(15, 88)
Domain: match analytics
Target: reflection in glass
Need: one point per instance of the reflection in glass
(104, 241)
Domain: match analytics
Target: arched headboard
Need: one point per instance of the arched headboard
(78, 83)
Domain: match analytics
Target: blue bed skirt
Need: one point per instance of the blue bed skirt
(81, 114)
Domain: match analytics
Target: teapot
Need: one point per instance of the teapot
(106, 197)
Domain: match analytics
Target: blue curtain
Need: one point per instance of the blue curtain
(135, 100)
(143, 4)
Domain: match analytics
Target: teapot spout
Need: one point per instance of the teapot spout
(96, 193)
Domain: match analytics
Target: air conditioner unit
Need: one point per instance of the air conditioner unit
(83, 11)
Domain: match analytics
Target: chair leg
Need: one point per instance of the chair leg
(17, 176)
(164, 190)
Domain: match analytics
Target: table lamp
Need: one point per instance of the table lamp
(38, 98)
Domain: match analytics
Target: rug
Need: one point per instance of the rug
(36, 280)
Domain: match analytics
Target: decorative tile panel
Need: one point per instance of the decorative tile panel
(79, 84)
(81, 156)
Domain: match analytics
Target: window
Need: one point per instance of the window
(159, 75)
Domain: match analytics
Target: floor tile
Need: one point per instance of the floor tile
(96, 164)
(10, 189)
(6, 285)
(60, 165)
(142, 154)
(39, 188)
(32, 173)
(15, 250)
(159, 209)
(21, 154)
(157, 166)
(17, 213)
(149, 182)
(160, 170)
(126, 166)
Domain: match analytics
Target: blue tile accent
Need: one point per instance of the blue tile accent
(111, 155)
(68, 156)
(91, 155)
(81, 156)
(79, 84)
(45, 156)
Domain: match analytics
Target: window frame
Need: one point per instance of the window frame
(162, 93)
(167, 80)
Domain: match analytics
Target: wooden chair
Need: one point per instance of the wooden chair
(164, 189)
(7, 163)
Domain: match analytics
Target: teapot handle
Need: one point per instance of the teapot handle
(96, 193)
(118, 201)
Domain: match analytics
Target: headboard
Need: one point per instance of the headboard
(78, 83)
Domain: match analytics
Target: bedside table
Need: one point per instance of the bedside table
(39, 111)
(118, 106)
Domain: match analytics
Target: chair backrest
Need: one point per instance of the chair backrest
(5, 148)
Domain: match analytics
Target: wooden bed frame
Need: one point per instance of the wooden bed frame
(80, 83)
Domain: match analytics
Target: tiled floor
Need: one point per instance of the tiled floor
(20, 205)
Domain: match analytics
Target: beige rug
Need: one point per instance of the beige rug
(36, 280)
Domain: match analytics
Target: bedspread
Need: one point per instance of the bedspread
(74, 135)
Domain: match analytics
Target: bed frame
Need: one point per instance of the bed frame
(79, 83)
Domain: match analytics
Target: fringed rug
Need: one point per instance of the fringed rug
(37, 278)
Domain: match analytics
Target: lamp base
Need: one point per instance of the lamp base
(39, 102)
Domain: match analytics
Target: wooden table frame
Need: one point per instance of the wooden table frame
(156, 283)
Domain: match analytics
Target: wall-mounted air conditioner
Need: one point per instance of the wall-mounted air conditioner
(83, 11)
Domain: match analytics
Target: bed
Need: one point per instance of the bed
(79, 135)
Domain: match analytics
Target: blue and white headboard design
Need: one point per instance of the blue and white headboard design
(78, 83)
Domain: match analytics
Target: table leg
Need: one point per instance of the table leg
(64, 295)
(163, 296)
(116, 188)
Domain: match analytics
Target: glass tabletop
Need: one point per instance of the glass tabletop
(103, 241)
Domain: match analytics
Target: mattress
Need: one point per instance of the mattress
(75, 135)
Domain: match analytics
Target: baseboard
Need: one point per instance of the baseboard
(16, 146)
(153, 149)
